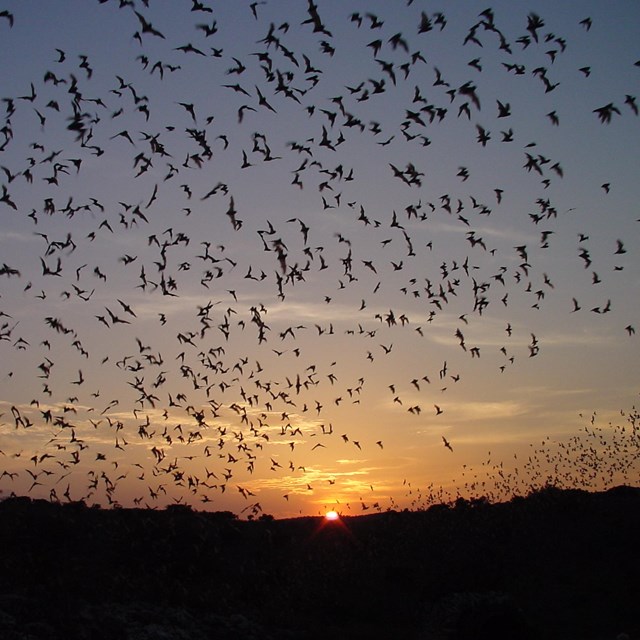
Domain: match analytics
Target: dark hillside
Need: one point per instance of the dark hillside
(557, 564)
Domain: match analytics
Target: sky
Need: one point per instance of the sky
(281, 257)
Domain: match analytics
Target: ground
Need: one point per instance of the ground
(556, 564)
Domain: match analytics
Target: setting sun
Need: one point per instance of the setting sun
(331, 516)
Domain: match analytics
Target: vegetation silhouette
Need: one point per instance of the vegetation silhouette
(554, 564)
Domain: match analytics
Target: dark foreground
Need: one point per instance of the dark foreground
(557, 564)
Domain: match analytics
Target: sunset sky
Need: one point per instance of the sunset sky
(281, 257)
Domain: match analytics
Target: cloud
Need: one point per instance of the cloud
(12, 236)
(478, 410)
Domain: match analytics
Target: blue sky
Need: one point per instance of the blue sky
(435, 269)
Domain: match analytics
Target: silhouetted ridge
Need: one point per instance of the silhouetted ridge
(556, 564)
